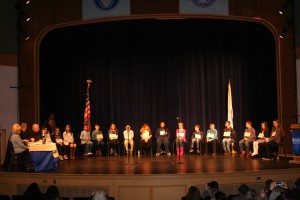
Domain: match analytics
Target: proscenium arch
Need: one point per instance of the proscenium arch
(47, 29)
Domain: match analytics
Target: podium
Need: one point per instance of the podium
(295, 129)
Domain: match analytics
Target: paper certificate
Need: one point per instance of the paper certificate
(226, 134)
(99, 136)
(247, 134)
(113, 136)
(210, 135)
(260, 135)
(162, 132)
(146, 134)
(180, 134)
(197, 136)
(59, 140)
(273, 134)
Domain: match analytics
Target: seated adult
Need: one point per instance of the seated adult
(197, 137)
(295, 192)
(35, 134)
(24, 133)
(274, 140)
(211, 138)
(211, 189)
(228, 137)
(193, 193)
(162, 137)
(243, 191)
(19, 148)
(249, 137)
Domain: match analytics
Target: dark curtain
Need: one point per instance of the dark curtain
(145, 71)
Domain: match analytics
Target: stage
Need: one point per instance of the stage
(153, 177)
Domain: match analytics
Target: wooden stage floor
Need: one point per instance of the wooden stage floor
(190, 164)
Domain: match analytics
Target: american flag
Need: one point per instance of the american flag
(87, 111)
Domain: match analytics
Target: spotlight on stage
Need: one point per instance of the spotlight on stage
(284, 8)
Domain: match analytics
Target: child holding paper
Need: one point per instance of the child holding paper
(85, 138)
(197, 137)
(62, 149)
(262, 136)
(211, 138)
(180, 139)
(68, 140)
(162, 136)
(113, 139)
(97, 138)
(128, 139)
(146, 135)
(249, 137)
(228, 136)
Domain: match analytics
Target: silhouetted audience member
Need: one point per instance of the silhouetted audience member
(100, 194)
(52, 192)
(295, 192)
(243, 191)
(193, 194)
(33, 192)
(278, 191)
(220, 196)
(211, 189)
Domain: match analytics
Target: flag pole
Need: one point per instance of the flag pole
(87, 109)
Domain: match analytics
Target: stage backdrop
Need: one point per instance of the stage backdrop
(145, 71)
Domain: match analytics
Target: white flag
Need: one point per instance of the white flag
(229, 106)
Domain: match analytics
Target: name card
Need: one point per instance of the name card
(146, 134)
(247, 134)
(99, 136)
(273, 134)
(180, 134)
(226, 134)
(162, 132)
(210, 135)
(197, 136)
(260, 135)
(59, 140)
(113, 136)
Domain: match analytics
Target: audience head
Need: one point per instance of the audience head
(243, 189)
(297, 183)
(35, 128)
(16, 128)
(213, 185)
(268, 184)
(32, 192)
(52, 192)
(24, 127)
(100, 194)
(193, 194)
(252, 195)
(220, 196)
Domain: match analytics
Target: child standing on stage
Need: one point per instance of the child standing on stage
(69, 141)
(180, 139)
(85, 137)
(211, 138)
(128, 139)
(113, 139)
(97, 138)
(228, 137)
(197, 137)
